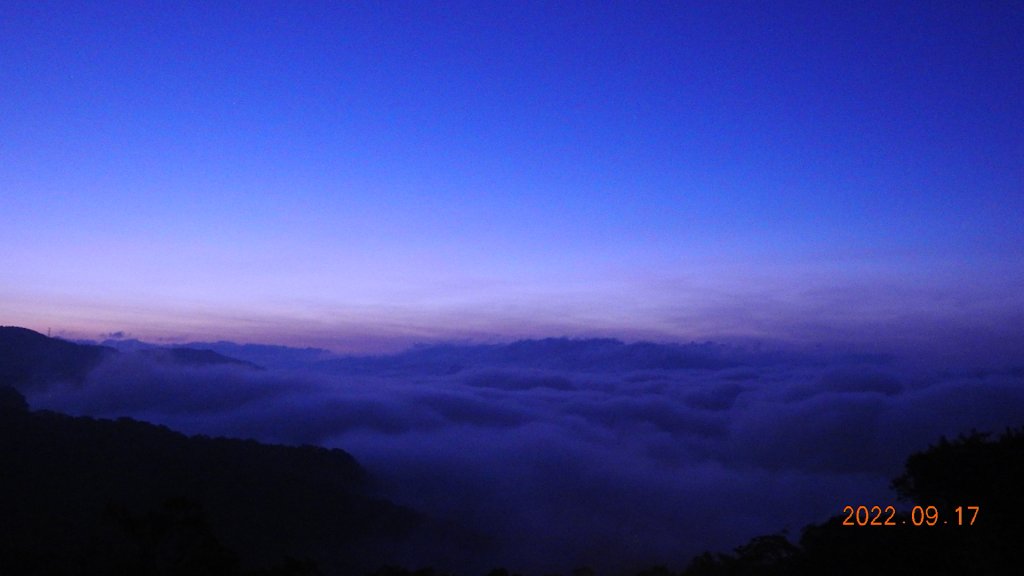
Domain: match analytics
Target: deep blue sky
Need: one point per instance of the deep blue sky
(364, 175)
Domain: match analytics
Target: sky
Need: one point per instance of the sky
(363, 175)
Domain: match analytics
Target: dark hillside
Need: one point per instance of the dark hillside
(85, 496)
(30, 360)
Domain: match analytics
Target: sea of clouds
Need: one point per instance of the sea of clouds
(551, 455)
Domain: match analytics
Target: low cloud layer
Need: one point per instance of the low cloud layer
(552, 455)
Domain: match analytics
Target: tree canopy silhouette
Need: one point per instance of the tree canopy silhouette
(972, 470)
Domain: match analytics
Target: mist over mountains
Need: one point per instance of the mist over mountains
(269, 356)
(552, 454)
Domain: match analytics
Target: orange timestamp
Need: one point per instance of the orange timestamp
(919, 516)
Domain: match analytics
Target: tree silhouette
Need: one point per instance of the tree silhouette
(174, 540)
(973, 470)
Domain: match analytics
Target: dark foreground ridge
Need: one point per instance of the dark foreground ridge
(83, 496)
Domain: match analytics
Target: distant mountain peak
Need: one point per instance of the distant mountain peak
(196, 357)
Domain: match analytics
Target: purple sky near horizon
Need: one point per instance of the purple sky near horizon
(365, 176)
